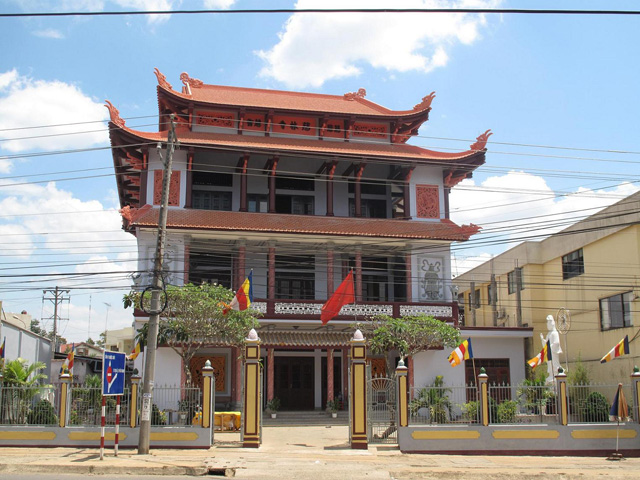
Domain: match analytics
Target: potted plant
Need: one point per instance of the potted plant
(333, 406)
(273, 406)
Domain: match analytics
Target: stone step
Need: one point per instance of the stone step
(289, 418)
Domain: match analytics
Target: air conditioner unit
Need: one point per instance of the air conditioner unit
(502, 313)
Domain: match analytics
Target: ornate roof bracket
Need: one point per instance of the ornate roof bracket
(481, 141)
(351, 96)
(452, 178)
(162, 80)
(114, 114)
(190, 82)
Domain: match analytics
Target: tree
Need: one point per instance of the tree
(194, 317)
(407, 335)
(36, 328)
(24, 379)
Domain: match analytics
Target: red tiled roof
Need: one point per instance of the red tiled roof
(301, 224)
(303, 145)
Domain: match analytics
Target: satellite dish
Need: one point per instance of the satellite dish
(563, 320)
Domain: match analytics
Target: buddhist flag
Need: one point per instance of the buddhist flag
(2, 347)
(135, 352)
(619, 409)
(244, 296)
(622, 348)
(461, 353)
(67, 365)
(543, 356)
(343, 295)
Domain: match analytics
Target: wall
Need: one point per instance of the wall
(24, 344)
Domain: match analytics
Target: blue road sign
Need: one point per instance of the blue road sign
(113, 373)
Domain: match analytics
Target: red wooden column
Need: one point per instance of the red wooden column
(330, 393)
(272, 165)
(189, 193)
(358, 191)
(242, 252)
(270, 373)
(271, 276)
(358, 274)
(345, 374)
(187, 252)
(243, 166)
(409, 277)
(330, 173)
(329, 270)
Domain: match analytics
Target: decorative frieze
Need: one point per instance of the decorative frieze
(259, 306)
(440, 311)
(297, 308)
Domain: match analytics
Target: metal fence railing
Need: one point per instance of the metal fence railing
(521, 404)
(438, 404)
(591, 403)
(85, 407)
(29, 405)
(175, 406)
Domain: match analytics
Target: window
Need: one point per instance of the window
(210, 268)
(206, 200)
(369, 187)
(491, 293)
(615, 311)
(257, 203)
(512, 280)
(476, 299)
(295, 277)
(285, 182)
(370, 208)
(572, 264)
(214, 179)
(296, 204)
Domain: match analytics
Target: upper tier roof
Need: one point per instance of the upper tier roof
(218, 220)
(353, 103)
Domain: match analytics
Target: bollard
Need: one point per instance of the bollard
(483, 380)
(562, 403)
(207, 384)
(65, 381)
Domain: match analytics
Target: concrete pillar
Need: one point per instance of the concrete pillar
(358, 274)
(562, 399)
(65, 382)
(271, 275)
(133, 403)
(208, 397)
(635, 389)
(483, 380)
(358, 392)
(330, 286)
(403, 394)
(252, 407)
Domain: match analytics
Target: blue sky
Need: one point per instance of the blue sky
(555, 81)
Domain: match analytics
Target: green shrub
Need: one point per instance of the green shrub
(435, 399)
(596, 408)
(42, 413)
(158, 417)
(507, 411)
(471, 411)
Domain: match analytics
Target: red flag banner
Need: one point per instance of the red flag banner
(343, 295)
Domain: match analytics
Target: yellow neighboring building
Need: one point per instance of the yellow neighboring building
(591, 269)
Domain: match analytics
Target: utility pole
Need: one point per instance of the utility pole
(156, 289)
(57, 298)
(518, 274)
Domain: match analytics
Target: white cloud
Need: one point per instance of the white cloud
(462, 263)
(220, 4)
(518, 205)
(314, 48)
(149, 5)
(26, 102)
(6, 165)
(49, 33)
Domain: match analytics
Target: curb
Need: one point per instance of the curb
(106, 469)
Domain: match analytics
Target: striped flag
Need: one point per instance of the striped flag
(67, 365)
(622, 348)
(135, 352)
(619, 408)
(543, 356)
(244, 296)
(461, 353)
(2, 347)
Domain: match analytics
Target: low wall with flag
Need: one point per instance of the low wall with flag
(596, 439)
(89, 437)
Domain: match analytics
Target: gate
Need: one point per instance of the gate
(381, 410)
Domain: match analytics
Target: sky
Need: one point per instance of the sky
(559, 93)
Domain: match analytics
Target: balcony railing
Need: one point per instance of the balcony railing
(311, 309)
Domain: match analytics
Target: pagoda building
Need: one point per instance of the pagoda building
(301, 188)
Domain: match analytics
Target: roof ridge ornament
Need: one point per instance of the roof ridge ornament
(114, 114)
(481, 141)
(351, 96)
(426, 102)
(192, 82)
(162, 80)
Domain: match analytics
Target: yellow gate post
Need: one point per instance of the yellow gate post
(403, 394)
(562, 405)
(358, 391)
(133, 404)
(252, 407)
(65, 381)
(207, 393)
(483, 380)
(635, 388)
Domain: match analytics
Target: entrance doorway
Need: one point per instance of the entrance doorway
(294, 380)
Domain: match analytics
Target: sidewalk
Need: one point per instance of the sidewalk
(316, 452)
